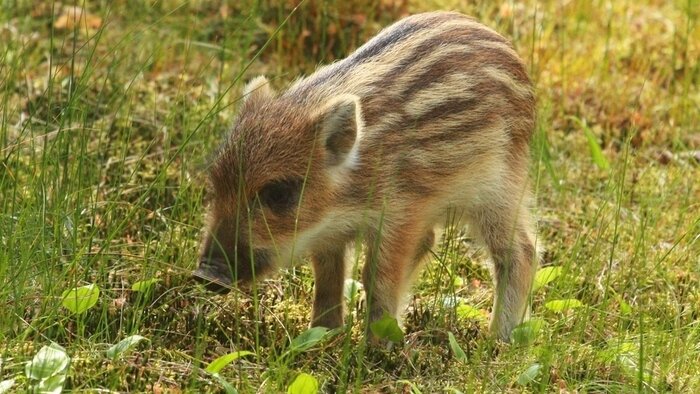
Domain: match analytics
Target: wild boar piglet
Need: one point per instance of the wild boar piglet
(426, 124)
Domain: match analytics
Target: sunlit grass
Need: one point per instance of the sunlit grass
(105, 129)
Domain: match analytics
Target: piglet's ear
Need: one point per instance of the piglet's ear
(339, 125)
(258, 87)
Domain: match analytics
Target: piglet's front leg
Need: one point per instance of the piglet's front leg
(388, 270)
(329, 278)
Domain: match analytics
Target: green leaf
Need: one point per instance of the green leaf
(53, 385)
(307, 339)
(563, 305)
(596, 151)
(228, 387)
(527, 332)
(51, 360)
(351, 289)
(124, 345)
(6, 385)
(468, 312)
(530, 374)
(220, 362)
(544, 276)
(303, 384)
(593, 145)
(144, 285)
(456, 349)
(80, 299)
(387, 328)
(625, 308)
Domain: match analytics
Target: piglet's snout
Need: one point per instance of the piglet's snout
(214, 274)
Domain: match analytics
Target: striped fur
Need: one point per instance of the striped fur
(427, 122)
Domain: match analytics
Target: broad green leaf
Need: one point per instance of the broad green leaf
(144, 285)
(527, 332)
(351, 289)
(563, 305)
(52, 385)
(303, 384)
(530, 374)
(220, 362)
(228, 387)
(596, 151)
(544, 276)
(308, 339)
(80, 299)
(387, 328)
(467, 312)
(49, 361)
(456, 349)
(122, 346)
(6, 385)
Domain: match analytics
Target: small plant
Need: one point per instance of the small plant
(80, 299)
(468, 312)
(144, 286)
(527, 332)
(456, 349)
(47, 370)
(387, 328)
(219, 363)
(124, 346)
(306, 340)
(544, 276)
(594, 148)
(530, 374)
(563, 305)
(303, 384)
(6, 385)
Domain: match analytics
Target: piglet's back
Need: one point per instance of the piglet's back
(426, 68)
(443, 98)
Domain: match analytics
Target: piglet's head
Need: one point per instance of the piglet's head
(273, 181)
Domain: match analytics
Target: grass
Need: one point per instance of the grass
(105, 127)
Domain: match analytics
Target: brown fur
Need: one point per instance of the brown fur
(429, 120)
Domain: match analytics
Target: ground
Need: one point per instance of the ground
(109, 112)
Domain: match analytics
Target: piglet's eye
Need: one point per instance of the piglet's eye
(281, 195)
